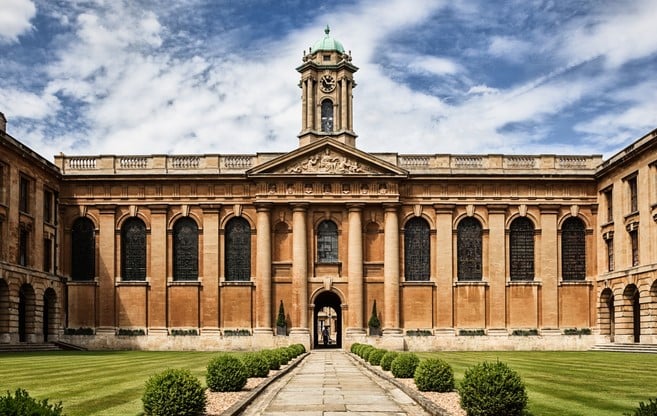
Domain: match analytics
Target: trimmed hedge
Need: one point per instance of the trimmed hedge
(387, 360)
(21, 404)
(375, 356)
(434, 374)
(404, 365)
(226, 373)
(173, 392)
(490, 389)
(272, 358)
(256, 364)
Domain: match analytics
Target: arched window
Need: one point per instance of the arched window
(573, 249)
(417, 250)
(83, 250)
(238, 250)
(133, 249)
(469, 244)
(327, 115)
(521, 242)
(327, 242)
(185, 249)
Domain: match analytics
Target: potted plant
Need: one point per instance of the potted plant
(374, 323)
(281, 324)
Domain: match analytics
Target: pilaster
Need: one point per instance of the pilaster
(549, 270)
(157, 299)
(300, 268)
(106, 268)
(497, 267)
(355, 270)
(391, 271)
(210, 289)
(263, 269)
(444, 266)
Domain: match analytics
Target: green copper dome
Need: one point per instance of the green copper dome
(328, 43)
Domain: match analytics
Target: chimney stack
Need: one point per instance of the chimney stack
(3, 123)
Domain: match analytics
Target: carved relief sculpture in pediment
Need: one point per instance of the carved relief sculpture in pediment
(328, 162)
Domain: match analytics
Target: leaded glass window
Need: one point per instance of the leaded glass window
(417, 250)
(185, 250)
(327, 242)
(83, 250)
(133, 250)
(522, 249)
(573, 250)
(469, 248)
(327, 115)
(238, 250)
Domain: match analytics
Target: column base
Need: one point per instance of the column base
(392, 332)
(210, 331)
(299, 331)
(497, 332)
(263, 331)
(444, 332)
(550, 331)
(158, 331)
(355, 332)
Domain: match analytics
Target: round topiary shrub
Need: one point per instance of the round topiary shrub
(353, 347)
(387, 359)
(375, 356)
(434, 374)
(365, 351)
(226, 373)
(256, 364)
(22, 404)
(283, 355)
(272, 358)
(490, 389)
(404, 365)
(173, 392)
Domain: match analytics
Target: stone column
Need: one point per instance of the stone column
(444, 268)
(157, 298)
(310, 104)
(548, 269)
(304, 106)
(355, 269)
(263, 269)
(391, 271)
(106, 269)
(210, 277)
(344, 92)
(496, 270)
(300, 268)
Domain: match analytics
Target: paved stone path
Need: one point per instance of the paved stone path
(328, 383)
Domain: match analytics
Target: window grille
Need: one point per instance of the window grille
(185, 250)
(327, 242)
(83, 250)
(469, 245)
(327, 116)
(238, 250)
(133, 250)
(573, 250)
(522, 249)
(417, 250)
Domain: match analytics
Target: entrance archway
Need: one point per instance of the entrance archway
(607, 314)
(327, 314)
(26, 309)
(49, 303)
(632, 295)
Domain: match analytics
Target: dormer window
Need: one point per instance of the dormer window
(327, 116)
(326, 58)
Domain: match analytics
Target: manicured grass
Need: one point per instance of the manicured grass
(572, 383)
(112, 383)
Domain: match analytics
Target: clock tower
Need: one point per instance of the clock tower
(327, 80)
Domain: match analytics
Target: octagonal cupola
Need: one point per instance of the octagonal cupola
(327, 101)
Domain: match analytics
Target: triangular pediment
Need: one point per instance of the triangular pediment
(327, 157)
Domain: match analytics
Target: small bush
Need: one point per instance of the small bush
(434, 374)
(419, 333)
(272, 358)
(354, 347)
(524, 332)
(387, 360)
(365, 352)
(129, 332)
(22, 404)
(576, 331)
(490, 389)
(283, 355)
(183, 332)
(404, 365)
(375, 356)
(256, 364)
(298, 349)
(79, 331)
(645, 409)
(226, 373)
(173, 392)
(472, 332)
(237, 333)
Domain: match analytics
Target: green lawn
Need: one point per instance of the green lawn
(111, 383)
(573, 383)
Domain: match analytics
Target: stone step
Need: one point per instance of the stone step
(25, 347)
(642, 348)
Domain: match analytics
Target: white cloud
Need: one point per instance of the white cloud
(28, 105)
(509, 48)
(15, 17)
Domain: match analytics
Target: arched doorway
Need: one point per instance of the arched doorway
(607, 314)
(26, 308)
(49, 303)
(632, 295)
(327, 314)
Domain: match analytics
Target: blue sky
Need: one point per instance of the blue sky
(201, 76)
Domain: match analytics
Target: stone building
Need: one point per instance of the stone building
(458, 251)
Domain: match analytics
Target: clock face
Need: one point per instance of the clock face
(327, 83)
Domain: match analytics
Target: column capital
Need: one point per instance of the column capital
(299, 206)
(391, 206)
(263, 206)
(549, 208)
(355, 206)
(444, 208)
(158, 208)
(210, 208)
(107, 209)
(497, 208)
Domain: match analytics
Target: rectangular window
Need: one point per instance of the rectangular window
(610, 255)
(610, 205)
(634, 236)
(24, 239)
(634, 205)
(47, 255)
(47, 206)
(24, 196)
(326, 58)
